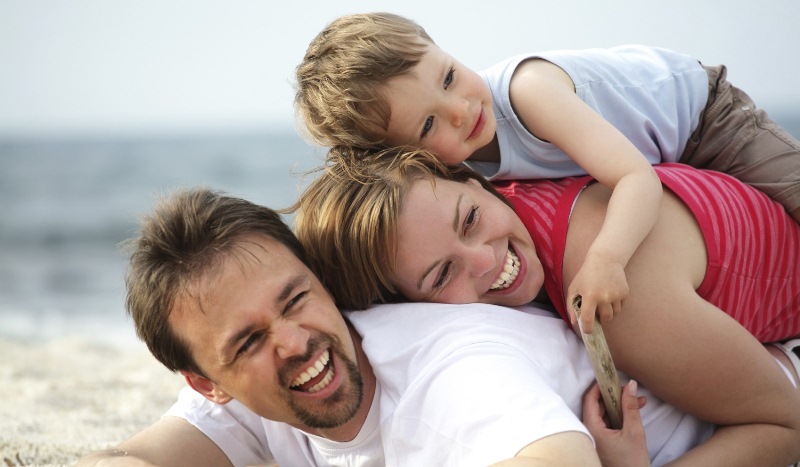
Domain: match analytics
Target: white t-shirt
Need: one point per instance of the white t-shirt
(459, 385)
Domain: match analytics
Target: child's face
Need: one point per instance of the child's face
(441, 106)
(454, 241)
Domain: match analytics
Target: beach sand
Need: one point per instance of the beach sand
(67, 397)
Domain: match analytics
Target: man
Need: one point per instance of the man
(219, 290)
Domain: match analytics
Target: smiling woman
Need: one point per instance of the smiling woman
(463, 261)
(410, 228)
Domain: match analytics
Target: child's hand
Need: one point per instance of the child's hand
(625, 447)
(603, 287)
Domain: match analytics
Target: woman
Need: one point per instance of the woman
(409, 228)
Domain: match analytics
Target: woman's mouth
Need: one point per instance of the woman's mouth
(509, 273)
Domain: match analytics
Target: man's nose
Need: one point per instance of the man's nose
(290, 339)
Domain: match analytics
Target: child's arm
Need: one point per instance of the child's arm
(544, 99)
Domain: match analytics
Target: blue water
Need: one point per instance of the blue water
(65, 205)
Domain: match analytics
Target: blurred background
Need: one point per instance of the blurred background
(105, 104)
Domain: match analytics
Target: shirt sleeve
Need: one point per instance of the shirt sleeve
(233, 428)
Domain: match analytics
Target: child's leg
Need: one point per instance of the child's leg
(737, 138)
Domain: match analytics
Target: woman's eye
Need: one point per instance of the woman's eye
(443, 276)
(470, 219)
(426, 127)
(448, 79)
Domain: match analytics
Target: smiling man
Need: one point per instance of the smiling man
(220, 291)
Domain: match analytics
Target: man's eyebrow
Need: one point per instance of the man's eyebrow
(456, 224)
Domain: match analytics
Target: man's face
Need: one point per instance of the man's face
(441, 106)
(266, 333)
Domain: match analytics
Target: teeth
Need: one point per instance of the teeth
(509, 274)
(314, 370)
(327, 379)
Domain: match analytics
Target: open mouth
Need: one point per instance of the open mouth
(316, 377)
(510, 271)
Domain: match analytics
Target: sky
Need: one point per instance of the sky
(152, 66)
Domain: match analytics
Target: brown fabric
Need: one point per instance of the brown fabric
(735, 137)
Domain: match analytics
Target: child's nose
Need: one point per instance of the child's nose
(458, 111)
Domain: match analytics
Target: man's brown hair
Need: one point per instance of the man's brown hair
(187, 235)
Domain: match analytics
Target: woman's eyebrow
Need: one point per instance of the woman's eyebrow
(456, 224)
(457, 216)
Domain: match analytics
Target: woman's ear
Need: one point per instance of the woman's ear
(475, 182)
(206, 387)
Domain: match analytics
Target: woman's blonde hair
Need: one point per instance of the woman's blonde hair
(338, 83)
(347, 218)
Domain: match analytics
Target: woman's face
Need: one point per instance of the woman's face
(458, 243)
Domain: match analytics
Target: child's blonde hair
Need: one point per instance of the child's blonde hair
(340, 78)
(347, 218)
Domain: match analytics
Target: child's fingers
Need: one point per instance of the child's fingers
(588, 311)
(605, 312)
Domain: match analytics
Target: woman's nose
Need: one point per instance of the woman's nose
(482, 260)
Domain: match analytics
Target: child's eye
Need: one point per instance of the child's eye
(426, 127)
(471, 219)
(448, 79)
(443, 276)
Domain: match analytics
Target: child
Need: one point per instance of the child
(401, 225)
(378, 80)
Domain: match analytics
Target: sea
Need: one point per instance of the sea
(66, 205)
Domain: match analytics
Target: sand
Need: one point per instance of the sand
(67, 397)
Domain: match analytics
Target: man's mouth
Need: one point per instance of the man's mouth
(316, 377)
(510, 272)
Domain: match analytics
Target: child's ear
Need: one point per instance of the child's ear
(206, 387)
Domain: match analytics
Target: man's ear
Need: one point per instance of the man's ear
(206, 387)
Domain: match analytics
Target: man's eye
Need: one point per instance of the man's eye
(443, 276)
(291, 303)
(248, 344)
(426, 127)
(448, 79)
